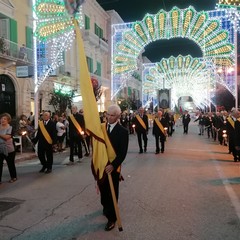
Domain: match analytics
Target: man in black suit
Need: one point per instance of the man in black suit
(160, 131)
(118, 136)
(76, 127)
(46, 138)
(141, 126)
(185, 120)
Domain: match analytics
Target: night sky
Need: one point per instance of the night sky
(133, 10)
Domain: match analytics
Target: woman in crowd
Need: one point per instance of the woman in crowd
(7, 151)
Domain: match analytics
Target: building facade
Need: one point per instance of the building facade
(16, 57)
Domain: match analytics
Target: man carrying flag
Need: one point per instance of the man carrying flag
(116, 138)
(101, 155)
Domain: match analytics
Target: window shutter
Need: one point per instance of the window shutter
(87, 22)
(99, 69)
(29, 37)
(13, 31)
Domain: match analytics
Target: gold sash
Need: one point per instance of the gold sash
(230, 120)
(160, 125)
(75, 123)
(45, 132)
(110, 150)
(141, 122)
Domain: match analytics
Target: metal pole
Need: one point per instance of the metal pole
(236, 63)
(36, 89)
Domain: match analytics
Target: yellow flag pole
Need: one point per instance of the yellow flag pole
(115, 202)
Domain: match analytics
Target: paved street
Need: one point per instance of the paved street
(191, 192)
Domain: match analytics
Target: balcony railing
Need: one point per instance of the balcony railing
(12, 51)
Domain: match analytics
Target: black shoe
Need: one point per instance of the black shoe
(109, 226)
(145, 149)
(42, 170)
(141, 151)
(48, 171)
(157, 152)
(162, 151)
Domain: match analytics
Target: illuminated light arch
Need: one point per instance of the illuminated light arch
(212, 31)
(185, 75)
(207, 33)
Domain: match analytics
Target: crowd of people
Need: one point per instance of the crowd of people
(223, 127)
(56, 132)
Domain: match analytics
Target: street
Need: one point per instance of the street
(189, 192)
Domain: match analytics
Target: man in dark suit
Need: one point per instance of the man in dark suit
(141, 126)
(160, 131)
(76, 127)
(118, 136)
(231, 124)
(46, 138)
(185, 120)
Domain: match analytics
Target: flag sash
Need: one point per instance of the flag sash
(75, 123)
(230, 120)
(141, 122)
(45, 132)
(160, 126)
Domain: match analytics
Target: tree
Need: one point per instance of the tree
(60, 100)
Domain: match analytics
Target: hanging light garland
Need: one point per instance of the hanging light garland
(55, 28)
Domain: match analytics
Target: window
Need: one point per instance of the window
(99, 69)
(87, 22)
(98, 31)
(90, 64)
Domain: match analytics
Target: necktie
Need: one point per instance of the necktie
(109, 128)
(45, 123)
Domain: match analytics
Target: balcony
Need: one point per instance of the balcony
(95, 41)
(10, 51)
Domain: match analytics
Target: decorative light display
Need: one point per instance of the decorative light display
(186, 76)
(213, 31)
(55, 28)
(229, 3)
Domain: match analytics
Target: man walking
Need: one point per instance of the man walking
(160, 131)
(185, 120)
(76, 123)
(141, 127)
(46, 138)
(116, 138)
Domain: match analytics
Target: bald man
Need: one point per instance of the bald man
(46, 137)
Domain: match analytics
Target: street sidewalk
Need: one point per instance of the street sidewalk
(26, 155)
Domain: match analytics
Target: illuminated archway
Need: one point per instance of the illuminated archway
(212, 31)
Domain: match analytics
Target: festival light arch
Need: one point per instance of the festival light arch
(212, 31)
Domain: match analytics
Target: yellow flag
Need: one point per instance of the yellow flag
(91, 115)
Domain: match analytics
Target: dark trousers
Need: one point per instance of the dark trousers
(162, 140)
(45, 155)
(10, 159)
(106, 196)
(75, 140)
(185, 128)
(86, 144)
(210, 132)
(141, 136)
